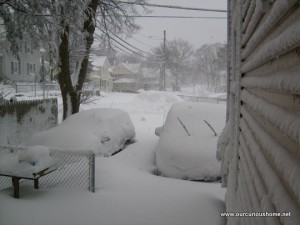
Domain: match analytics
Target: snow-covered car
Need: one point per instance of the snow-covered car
(188, 142)
(104, 131)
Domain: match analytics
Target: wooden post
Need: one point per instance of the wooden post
(15, 181)
(36, 184)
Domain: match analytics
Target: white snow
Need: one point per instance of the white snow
(187, 146)
(284, 80)
(8, 160)
(224, 150)
(276, 188)
(125, 80)
(278, 155)
(289, 126)
(104, 131)
(26, 162)
(250, 11)
(33, 153)
(249, 27)
(26, 169)
(279, 9)
(127, 191)
(157, 97)
(98, 61)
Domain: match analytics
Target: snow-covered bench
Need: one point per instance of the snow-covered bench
(30, 164)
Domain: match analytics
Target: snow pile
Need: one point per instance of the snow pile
(187, 146)
(157, 97)
(223, 151)
(34, 153)
(155, 101)
(27, 162)
(104, 131)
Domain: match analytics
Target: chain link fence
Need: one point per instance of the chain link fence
(74, 170)
(203, 99)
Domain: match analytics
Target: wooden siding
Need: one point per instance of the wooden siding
(264, 109)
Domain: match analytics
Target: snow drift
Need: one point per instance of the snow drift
(104, 131)
(187, 146)
(27, 162)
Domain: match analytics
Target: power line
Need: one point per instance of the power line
(126, 43)
(143, 42)
(174, 7)
(110, 37)
(133, 46)
(180, 17)
(132, 52)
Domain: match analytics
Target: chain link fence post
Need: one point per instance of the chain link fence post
(92, 172)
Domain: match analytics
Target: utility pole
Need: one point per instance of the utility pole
(43, 51)
(164, 63)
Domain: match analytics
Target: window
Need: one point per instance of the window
(28, 48)
(30, 68)
(20, 47)
(15, 67)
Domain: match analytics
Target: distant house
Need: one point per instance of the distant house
(152, 76)
(127, 77)
(101, 72)
(151, 79)
(24, 66)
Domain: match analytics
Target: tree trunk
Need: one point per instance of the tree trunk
(64, 76)
(71, 94)
(89, 27)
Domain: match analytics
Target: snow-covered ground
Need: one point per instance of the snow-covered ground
(127, 192)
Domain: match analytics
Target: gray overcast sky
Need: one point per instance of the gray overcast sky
(196, 31)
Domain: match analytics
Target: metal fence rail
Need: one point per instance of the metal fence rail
(34, 87)
(75, 170)
(202, 99)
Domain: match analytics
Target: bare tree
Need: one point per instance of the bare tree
(179, 52)
(176, 55)
(210, 60)
(69, 26)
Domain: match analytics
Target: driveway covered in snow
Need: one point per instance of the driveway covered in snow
(127, 192)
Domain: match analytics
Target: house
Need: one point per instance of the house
(25, 66)
(151, 79)
(101, 72)
(260, 146)
(127, 77)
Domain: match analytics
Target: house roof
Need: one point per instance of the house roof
(125, 80)
(151, 73)
(98, 61)
(133, 67)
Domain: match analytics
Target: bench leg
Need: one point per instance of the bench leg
(15, 181)
(36, 184)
